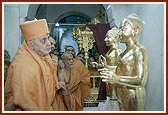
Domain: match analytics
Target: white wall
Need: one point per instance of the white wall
(14, 14)
(153, 40)
(11, 33)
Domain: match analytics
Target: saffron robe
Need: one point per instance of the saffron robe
(31, 81)
(79, 75)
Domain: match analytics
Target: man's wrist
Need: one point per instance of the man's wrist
(65, 92)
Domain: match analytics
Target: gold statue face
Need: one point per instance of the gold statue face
(109, 39)
(127, 31)
(111, 36)
(131, 27)
(130, 75)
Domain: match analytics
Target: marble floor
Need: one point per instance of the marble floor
(107, 105)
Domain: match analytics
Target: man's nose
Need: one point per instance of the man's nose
(48, 42)
(71, 60)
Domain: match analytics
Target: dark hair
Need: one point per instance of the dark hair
(6, 56)
(80, 53)
(66, 46)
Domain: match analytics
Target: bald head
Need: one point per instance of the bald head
(70, 49)
(66, 55)
(68, 59)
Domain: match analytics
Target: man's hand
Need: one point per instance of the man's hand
(61, 64)
(114, 79)
(109, 77)
(102, 60)
(62, 85)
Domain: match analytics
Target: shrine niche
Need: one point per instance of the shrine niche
(85, 39)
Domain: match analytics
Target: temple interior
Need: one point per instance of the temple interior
(64, 20)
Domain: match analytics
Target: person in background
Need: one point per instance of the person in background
(90, 62)
(53, 46)
(81, 57)
(92, 66)
(68, 40)
(77, 84)
(93, 71)
(53, 53)
(6, 64)
(70, 49)
(31, 82)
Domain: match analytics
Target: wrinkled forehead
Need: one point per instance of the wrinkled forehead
(42, 40)
(42, 37)
(67, 55)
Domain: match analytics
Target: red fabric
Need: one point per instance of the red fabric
(99, 31)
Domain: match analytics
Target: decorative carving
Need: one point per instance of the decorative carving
(85, 40)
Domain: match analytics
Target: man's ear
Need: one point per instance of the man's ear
(30, 44)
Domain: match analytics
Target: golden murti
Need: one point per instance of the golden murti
(131, 73)
(111, 57)
(112, 40)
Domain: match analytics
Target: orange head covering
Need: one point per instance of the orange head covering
(34, 29)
